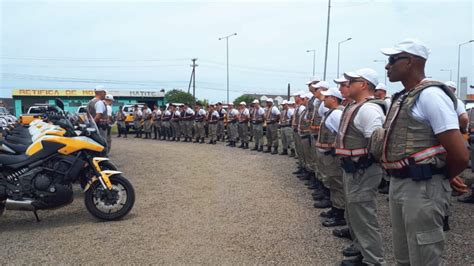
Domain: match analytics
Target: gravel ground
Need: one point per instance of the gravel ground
(200, 204)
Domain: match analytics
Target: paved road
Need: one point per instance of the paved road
(199, 204)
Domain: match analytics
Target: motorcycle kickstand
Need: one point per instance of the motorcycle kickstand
(36, 216)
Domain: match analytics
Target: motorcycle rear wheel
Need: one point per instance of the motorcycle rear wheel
(112, 206)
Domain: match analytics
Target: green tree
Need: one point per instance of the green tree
(244, 98)
(204, 102)
(179, 96)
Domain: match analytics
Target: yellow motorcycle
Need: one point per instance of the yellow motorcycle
(42, 178)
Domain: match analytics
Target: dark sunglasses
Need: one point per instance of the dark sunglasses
(393, 59)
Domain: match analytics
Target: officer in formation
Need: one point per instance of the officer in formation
(243, 126)
(187, 122)
(147, 115)
(212, 120)
(97, 109)
(137, 121)
(109, 100)
(232, 124)
(199, 121)
(157, 122)
(272, 117)
(257, 119)
(120, 117)
(220, 124)
(285, 127)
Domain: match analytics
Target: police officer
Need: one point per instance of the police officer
(187, 122)
(98, 110)
(329, 165)
(285, 127)
(109, 100)
(220, 124)
(120, 117)
(137, 118)
(361, 175)
(175, 128)
(343, 84)
(381, 93)
(156, 116)
(257, 120)
(212, 119)
(147, 121)
(299, 111)
(423, 150)
(243, 127)
(199, 123)
(166, 122)
(232, 124)
(272, 117)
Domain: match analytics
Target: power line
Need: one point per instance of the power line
(32, 58)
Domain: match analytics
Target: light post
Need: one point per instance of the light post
(339, 53)
(227, 51)
(459, 61)
(384, 63)
(450, 73)
(314, 58)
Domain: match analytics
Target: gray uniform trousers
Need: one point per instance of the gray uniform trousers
(257, 130)
(199, 129)
(220, 129)
(287, 139)
(175, 129)
(166, 128)
(360, 190)
(416, 211)
(244, 132)
(147, 126)
(299, 149)
(103, 134)
(308, 153)
(232, 131)
(272, 135)
(212, 131)
(331, 171)
(187, 128)
(137, 125)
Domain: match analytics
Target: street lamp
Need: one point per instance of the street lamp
(339, 53)
(459, 60)
(227, 49)
(450, 73)
(314, 57)
(384, 63)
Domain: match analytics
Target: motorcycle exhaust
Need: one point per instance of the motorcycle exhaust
(17, 205)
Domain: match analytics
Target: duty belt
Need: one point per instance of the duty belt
(354, 152)
(416, 157)
(417, 172)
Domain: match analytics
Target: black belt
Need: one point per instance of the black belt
(305, 136)
(350, 166)
(270, 122)
(256, 122)
(417, 172)
(285, 125)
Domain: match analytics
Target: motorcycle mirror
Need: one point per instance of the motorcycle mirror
(59, 103)
(90, 130)
(82, 126)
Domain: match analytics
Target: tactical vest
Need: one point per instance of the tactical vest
(256, 116)
(407, 140)
(187, 115)
(221, 114)
(156, 116)
(120, 116)
(147, 115)
(243, 118)
(136, 117)
(295, 120)
(316, 118)
(231, 116)
(350, 141)
(306, 125)
(166, 117)
(270, 116)
(284, 119)
(326, 138)
(91, 107)
(211, 118)
(303, 123)
(199, 117)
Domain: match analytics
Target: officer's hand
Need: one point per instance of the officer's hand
(458, 185)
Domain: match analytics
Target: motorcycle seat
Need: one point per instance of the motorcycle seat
(17, 147)
(6, 159)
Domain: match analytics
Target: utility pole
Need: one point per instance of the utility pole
(327, 40)
(193, 79)
(288, 95)
(227, 52)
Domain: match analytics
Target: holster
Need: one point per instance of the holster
(351, 167)
(417, 172)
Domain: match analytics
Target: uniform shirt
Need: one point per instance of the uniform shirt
(189, 112)
(461, 108)
(214, 115)
(177, 113)
(157, 112)
(168, 113)
(322, 109)
(109, 110)
(275, 111)
(290, 112)
(388, 102)
(146, 112)
(233, 113)
(258, 112)
(333, 120)
(245, 112)
(369, 117)
(138, 113)
(100, 107)
(202, 112)
(435, 108)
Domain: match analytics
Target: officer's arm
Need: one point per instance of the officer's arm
(97, 117)
(463, 122)
(457, 157)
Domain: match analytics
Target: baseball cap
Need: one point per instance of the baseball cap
(298, 93)
(269, 100)
(313, 80)
(366, 73)
(231, 104)
(291, 102)
(332, 92)
(321, 84)
(242, 103)
(381, 86)
(411, 46)
(340, 80)
(109, 97)
(451, 84)
(99, 88)
(256, 101)
(284, 102)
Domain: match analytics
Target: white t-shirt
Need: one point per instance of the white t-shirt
(234, 112)
(369, 117)
(301, 108)
(333, 120)
(157, 112)
(245, 112)
(260, 111)
(147, 111)
(109, 110)
(167, 112)
(290, 112)
(461, 108)
(100, 107)
(322, 109)
(190, 111)
(388, 102)
(223, 111)
(177, 113)
(202, 112)
(275, 110)
(215, 114)
(435, 108)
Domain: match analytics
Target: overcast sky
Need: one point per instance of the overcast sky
(149, 44)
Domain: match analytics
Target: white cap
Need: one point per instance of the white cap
(321, 84)
(269, 100)
(99, 88)
(109, 97)
(411, 46)
(381, 86)
(451, 84)
(256, 101)
(313, 80)
(340, 80)
(291, 102)
(298, 93)
(366, 73)
(231, 104)
(332, 92)
(243, 103)
(284, 102)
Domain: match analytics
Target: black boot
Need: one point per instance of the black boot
(292, 154)
(468, 199)
(178, 139)
(268, 150)
(342, 233)
(255, 148)
(214, 142)
(336, 220)
(357, 261)
(446, 224)
(246, 146)
(197, 140)
(323, 204)
(202, 141)
(261, 148)
(232, 144)
(299, 171)
(275, 150)
(284, 152)
(229, 144)
(242, 145)
(210, 142)
(350, 251)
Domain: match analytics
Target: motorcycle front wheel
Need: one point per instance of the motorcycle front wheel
(110, 205)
